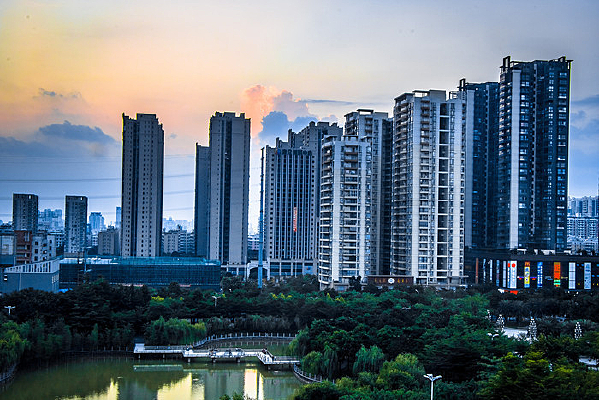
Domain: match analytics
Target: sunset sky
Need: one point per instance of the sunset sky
(69, 69)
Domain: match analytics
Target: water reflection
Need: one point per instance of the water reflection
(149, 380)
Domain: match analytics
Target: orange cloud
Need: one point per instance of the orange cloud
(258, 101)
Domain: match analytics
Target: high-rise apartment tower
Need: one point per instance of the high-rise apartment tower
(482, 133)
(143, 166)
(291, 198)
(532, 159)
(75, 226)
(225, 165)
(428, 188)
(24, 212)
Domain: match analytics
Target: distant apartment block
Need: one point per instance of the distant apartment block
(109, 242)
(428, 188)
(33, 247)
(117, 222)
(221, 212)
(142, 182)
(50, 220)
(75, 224)
(96, 222)
(24, 212)
(587, 206)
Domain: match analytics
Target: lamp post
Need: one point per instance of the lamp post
(432, 378)
(215, 298)
(9, 308)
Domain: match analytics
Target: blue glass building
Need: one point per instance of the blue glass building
(532, 158)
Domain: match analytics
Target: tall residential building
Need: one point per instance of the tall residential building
(75, 224)
(428, 188)
(534, 103)
(143, 166)
(24, 212)
(202, 205)
(291, 198)
(344, 248)
(226, 222)
(482, 132)
(376, 129)
(96, 222)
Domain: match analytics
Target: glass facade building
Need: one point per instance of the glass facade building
(482, 125)
(150, 271)
(532, 158)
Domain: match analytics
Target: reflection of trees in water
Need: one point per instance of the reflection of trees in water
(87, 378)
(141, 380)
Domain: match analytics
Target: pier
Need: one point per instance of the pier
(195, 352)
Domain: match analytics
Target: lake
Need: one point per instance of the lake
(128, 379)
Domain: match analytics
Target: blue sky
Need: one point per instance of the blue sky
(69, 69)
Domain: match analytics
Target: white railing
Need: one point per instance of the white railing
(243, 335)
(6, 375)
(305, 376)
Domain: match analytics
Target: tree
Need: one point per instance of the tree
(405, 372)
(368, 360)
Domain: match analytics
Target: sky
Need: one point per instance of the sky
(69, 69)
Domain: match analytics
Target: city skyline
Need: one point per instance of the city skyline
(61, 65)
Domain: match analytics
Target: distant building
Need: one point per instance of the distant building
(109, 242)
(96, 222)
(186, 243)
(33, 247)
(50, 220)
(587, 206)
(24, 212)
(226, 222)
(117, 222)
(75, 224)
(23, 242)
(428, 188)
(178, 241)
(170, 242)
(142, 180)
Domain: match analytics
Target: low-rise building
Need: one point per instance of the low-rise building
(41, 275)
(190, 272)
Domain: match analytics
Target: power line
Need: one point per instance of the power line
(104, 197)
(81, 179)
(80, 159)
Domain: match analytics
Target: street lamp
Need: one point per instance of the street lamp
(432, 378)
(9, 308)
(215, 298)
